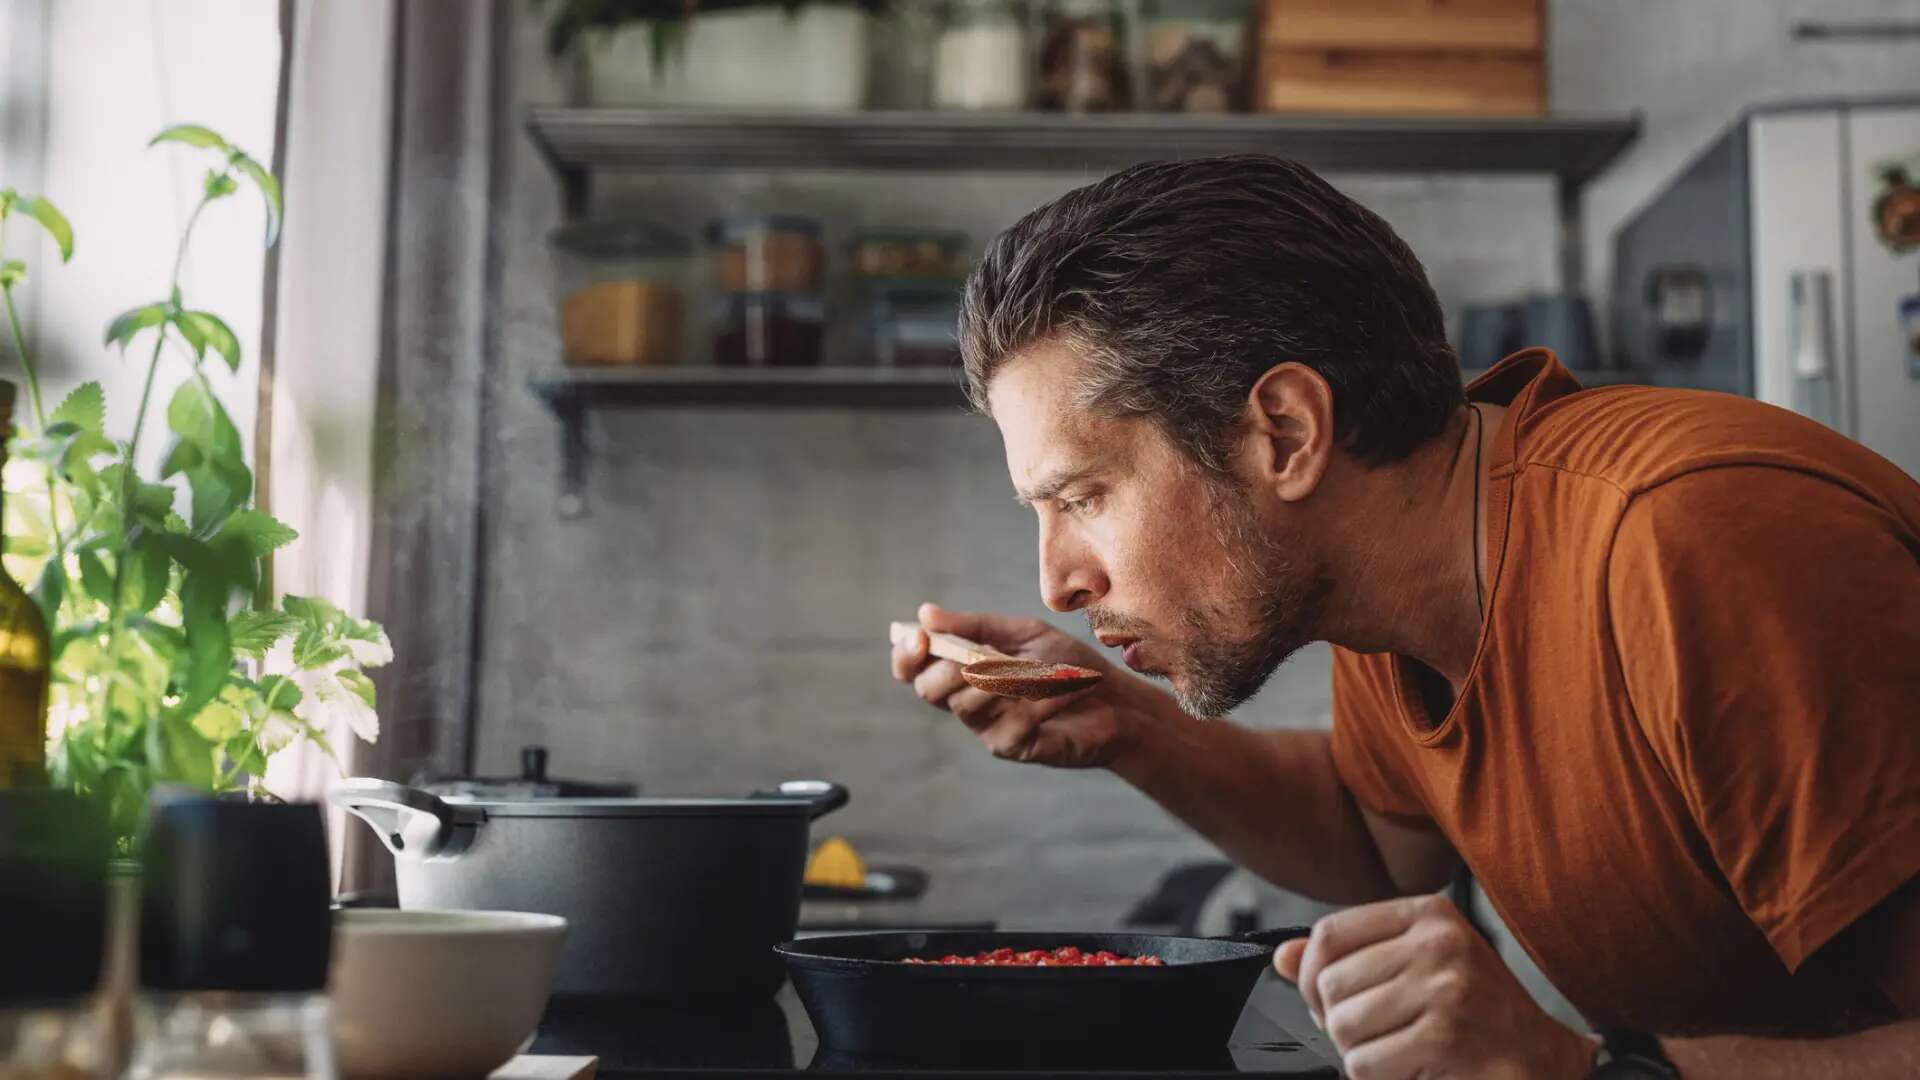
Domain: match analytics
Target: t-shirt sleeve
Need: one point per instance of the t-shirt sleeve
(1365, 729)
(1768, 627)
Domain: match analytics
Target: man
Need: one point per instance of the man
(1647, 660)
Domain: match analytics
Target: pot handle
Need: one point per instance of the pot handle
(825, 795)
(410, 822)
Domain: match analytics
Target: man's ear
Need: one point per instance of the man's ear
(1292, 412)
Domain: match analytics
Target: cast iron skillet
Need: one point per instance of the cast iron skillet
(865, 1004)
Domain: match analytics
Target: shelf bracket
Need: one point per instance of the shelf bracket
(571, 411)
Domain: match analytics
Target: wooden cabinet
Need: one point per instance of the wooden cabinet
(1451, 57)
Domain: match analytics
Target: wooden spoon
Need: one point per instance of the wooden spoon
(987, 668)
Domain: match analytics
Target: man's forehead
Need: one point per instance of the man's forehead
(1045, 431)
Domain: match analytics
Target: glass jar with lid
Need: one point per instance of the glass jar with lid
(981, 59)
(907, 253)
(622, 283)
(766, 253)
(1195, 54)
(1082, 63)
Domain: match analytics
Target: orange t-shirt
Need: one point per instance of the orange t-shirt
(1687, 753)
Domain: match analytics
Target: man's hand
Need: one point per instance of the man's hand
(1074, 731)
(1407, 988)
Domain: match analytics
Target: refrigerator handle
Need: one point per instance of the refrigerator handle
(1816, 378)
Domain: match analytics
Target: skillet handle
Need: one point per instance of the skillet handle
(1272, 939)
(825, 795)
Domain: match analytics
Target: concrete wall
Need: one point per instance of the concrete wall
(719, 620)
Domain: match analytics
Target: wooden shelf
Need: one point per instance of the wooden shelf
(1572, 149)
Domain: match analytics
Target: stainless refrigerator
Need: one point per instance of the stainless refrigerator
(1784, 263)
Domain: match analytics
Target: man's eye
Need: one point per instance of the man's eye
(1076, 506)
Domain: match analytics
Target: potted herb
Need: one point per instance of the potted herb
(170, 662)
(746, 54)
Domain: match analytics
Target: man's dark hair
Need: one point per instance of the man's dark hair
(1181, 282)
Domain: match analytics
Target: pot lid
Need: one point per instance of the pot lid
(804, 799)
(636, 808)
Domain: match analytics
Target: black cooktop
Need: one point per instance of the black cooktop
(773, 1038)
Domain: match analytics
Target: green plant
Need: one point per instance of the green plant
(171, 664)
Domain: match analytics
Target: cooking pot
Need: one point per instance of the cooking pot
(663, 897)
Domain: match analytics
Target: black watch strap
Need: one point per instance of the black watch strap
(1631, 1055)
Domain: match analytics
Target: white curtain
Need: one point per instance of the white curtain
(320, 395)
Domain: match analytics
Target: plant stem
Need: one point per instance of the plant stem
(26, 361)
(40, 417)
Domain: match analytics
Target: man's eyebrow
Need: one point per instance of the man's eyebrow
(1052, 486)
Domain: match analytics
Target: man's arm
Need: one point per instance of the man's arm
(1405, 987)
(1273, 802)
(1886, 942)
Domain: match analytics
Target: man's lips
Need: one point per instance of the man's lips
(1129, 647)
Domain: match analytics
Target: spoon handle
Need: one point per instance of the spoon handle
(946, 646)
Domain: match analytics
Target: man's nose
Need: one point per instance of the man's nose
(1070, 578)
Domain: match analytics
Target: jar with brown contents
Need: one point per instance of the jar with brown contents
(766, 253)
(622, 285)
(1083, 64)
(1195, 54)
(933, 254)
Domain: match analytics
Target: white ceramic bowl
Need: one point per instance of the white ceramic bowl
(438, 993)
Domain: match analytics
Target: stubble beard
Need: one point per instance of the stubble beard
(1216, 673)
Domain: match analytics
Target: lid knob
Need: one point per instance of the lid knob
(533, 763)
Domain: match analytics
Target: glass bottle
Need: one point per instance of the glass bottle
(234, 935)
(24, 654)
(53, 861)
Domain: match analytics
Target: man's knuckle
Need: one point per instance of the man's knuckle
(1342, 1027)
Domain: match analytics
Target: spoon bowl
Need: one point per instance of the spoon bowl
(987, 668)
(1029, 679)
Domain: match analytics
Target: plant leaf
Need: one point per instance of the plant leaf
(269, 190)
(85, 407)
(182, 456)
(281, 690)
(195, 415)
(219, 184)
(192, 135)
(51, 591)
(204, 330)
(144, 578)
(261, 532)
(219, 721)
(311, 610)
(203, 615)
(123, 328)
(50, 219)
(219, 488)
(314, 649)
(95, 578)
(359, 685)
(254, 632)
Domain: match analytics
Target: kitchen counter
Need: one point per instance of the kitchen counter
(773, 1038)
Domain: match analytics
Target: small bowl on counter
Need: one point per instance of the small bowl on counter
(438, 993)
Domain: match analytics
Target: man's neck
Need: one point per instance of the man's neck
(1405, 573)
